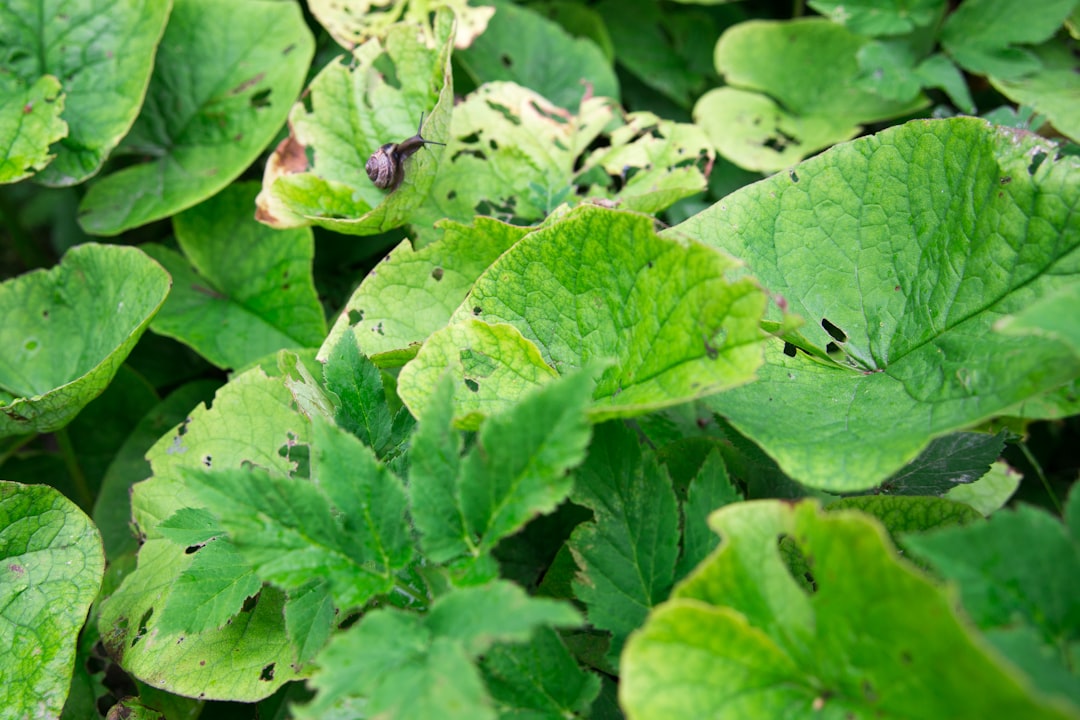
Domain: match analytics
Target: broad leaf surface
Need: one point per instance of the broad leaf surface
(627, 554)
(880, 17)
(521, 46)
(945, 463)
(793, 91)
(1052, 317)
(517, 469)
(241, 290)
(599, 285)
(353, 22)
(67, 330)
(29, 124)
(538, 679)
(224, 79)
(103, 52)
(1025, 600)
(396, 664)
(741, 638)
(353, 106)
(413, 293)
(252, 421)
(52, 569)
(901, 250)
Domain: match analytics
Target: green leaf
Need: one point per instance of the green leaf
(905, 514)
(793, 91)
(361, 406)
(980, 34)
(103, 52)
(67, 330)
(396, 664)
(538, 679)
(242, 290)
(946, 462)
(211, 590)
(642, 35)
(112, 510)
(880, 17)
(224, 78)
(1050, 317)
(29, 123)
(463, 506)
(252, 423)
(627, 553)
(521, 46)
(1006, 587)
(53, 565)
(595, 285)
(711, 488)
(938, 71)
(414, 292)
(902, 280)
(741, 638)
(355, 105)
(990, 492)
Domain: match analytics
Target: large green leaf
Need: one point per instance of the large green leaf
(871, 636)
(1024, 600)
(355, 105)
(901, 250)
(793, 91)
(596, 284)
(53, 564)
(67, 330)
(521, 46)
(29, 123)
(225, 77)
(1053, 89)
(414, 292)
(103, 52)
(252, 422)
(241, 290)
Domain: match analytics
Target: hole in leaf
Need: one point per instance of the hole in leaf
(798, 564)
(472, 385)
(780, 141)
(207, 461)
(261, 99)
(267, 673)
(250, 603)
(388, 69)
(832, 348)
(378, 329)
(1036, 160)
(437, 274)
(45, 314)
(192, 549)
(141, 632)
(355, 316)
(789, 349)
(506, 60)
(836, 333)
(793, 175)
(451, 195)
(477, 310)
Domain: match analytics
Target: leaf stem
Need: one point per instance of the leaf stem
(1042, 476)
(78, 477)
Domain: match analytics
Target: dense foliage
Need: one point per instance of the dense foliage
(713, 360)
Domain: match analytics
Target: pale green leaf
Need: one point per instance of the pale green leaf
(990, 492)
(353, 107)
(29, 123)
(67, 330)
(880, 17)
(874, 638)
(901, 250)
(980, 34)
(353, 22)
(224, 78)
(52, 569)
(1054, 316)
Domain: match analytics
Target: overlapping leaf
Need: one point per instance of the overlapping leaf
(901, 250)
(29, 124)
(67, 330)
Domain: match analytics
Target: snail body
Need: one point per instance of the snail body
(386, 166)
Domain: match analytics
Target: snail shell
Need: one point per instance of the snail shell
(386, 166)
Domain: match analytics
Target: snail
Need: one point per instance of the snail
(386, 166)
